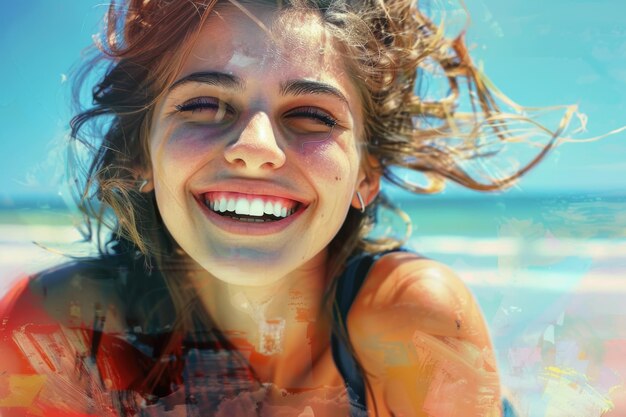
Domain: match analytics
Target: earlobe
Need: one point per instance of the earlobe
(361, 206)
(145, 186)
(365, 193)
(368, 185)
(144, 182)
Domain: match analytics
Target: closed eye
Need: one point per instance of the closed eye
(313, 114)
(207, 110)
(308, 124)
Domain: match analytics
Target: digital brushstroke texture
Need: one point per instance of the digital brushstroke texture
(547, 267)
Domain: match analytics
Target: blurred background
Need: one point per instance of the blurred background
(546, 260)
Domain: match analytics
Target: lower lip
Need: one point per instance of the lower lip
(249, 229)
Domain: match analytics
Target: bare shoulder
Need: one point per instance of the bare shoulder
(406, 293)
(421, 338)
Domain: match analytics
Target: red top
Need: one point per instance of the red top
(51, 366)
(37, 367)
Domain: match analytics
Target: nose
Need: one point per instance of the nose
(256, 148)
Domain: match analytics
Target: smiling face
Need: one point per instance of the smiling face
(255, 148)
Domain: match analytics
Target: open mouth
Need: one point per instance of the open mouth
(250, 208)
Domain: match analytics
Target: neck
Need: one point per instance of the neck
(283, 322)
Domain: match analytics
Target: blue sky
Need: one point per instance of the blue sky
(538, 52)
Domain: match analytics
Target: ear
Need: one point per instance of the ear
(368, 182)
(145, 182)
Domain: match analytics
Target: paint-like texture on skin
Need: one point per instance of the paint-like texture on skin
(300, 308)
(241, 60)
(455, 370)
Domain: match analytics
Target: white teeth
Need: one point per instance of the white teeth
(242, 206)
(256, 208)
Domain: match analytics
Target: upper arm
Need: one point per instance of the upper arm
(422, 340)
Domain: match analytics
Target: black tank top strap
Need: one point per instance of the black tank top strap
(348, 285)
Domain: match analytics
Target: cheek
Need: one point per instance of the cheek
(333, 161)
(182, 150)
(187, 142)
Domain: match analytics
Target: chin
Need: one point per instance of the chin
(247, 275)
(248, 267)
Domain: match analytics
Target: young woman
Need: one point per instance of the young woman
(239, 170)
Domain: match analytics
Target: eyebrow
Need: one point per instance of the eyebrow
(218, 79)
(303, 87)
(293, 87)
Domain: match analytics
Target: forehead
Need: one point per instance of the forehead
(292, 43)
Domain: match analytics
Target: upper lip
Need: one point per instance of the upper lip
(260, 188)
